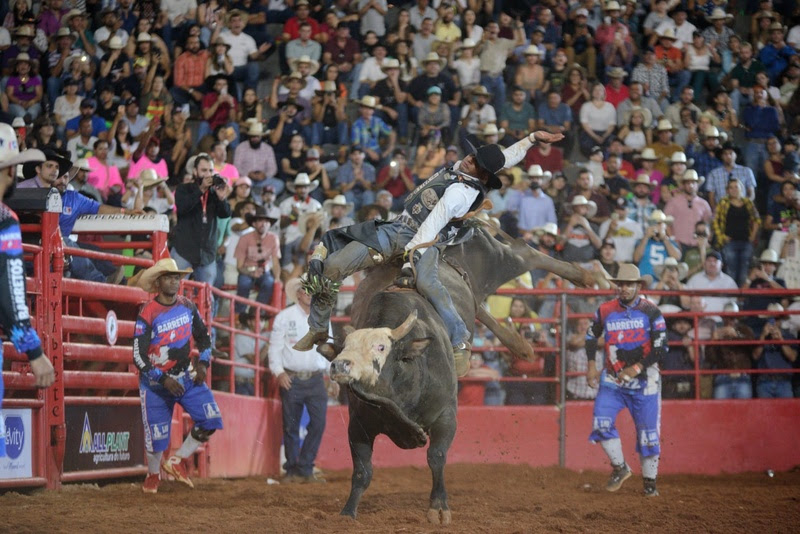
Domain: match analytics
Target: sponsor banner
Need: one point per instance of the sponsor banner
(103, 437)
(16, 430)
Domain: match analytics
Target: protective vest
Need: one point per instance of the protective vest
(421, 201)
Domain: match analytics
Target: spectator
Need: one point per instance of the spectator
(200, 203)
(773, 356)
(677, 165)
(687, 209)
(242, 192)
(300, 205)
(679, 357)
(656, 245)
(611, 25)
(618, 54)
(317, 172)
(671, 56)
(533, 207)
(219, 157)
(244, 51)
(421, 11)
(307, 67)
(368, 130)
(736, 227)
(372, 14)
(763, 276)
(598, 120)
(761, 122)
(430, 157)
(547, 156)
(329, 117)
(686, 101)
(392, 93)
(219, 109)
(467, 67)
(637, 99)
(495, 51)
(396, 178)
(743, 77)
(258, 257)
(706, 157)
(23, 90)
(103, 175)
(518, 117)
(244, 352)
(284, 126)
(137, 123)
(473, 390)
(579, 42)
(256, 159)
(671, 275)
(583, 187)
(712, 277)
(219, 59)
(625, 232)
(776, 54)
(303, 45)
(103, 36)
(476, 115)
(614, 185)
(434, 116)
(785, 211)
(189, 73)
(699, 56)
(555, 116)
(581, 239)
(342, 51)
(577, 387)
(81, 185)
(81, 146)
(356, 179)
(148, 156)
(338, 211)
(735, 385)
(530, 75)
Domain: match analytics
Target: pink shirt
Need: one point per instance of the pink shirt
(228, 172)
(143, 163)
(103, 177)
(655, 177)
(686, 217)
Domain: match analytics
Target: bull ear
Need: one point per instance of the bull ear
(401, 331)
(418, 346)
(348, 330)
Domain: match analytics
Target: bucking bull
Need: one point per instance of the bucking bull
(398, 362)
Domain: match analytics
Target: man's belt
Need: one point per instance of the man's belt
(302, 375)
(405, 218)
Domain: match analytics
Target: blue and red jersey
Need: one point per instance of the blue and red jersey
(633, 334)
(14, 315)
(163, 335)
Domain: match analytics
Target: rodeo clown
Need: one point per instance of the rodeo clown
(433, 213)
(635, 341)
(161, 346)
(15, 318)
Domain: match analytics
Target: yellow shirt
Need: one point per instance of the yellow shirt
(449, 33)
(500, 305)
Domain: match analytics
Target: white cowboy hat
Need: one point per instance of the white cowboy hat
(18, 122)
(295, 63)
(237, 13)
(616, 72)
(115, 43)
(491, 129)
(648, 154)
(647, 115)
(719, 14)
(535, 170)
(678, 157)
(643, 179)
(294, 76)
(148, 278)
(664, 124)
(256, 129)
(659, 216)
(338, 200)
(671, 308)
(144, 37)
(769, 256)
(669, 33)
(480, 90)
(580, 200)
(434, 57)
(467, 43)
(369, 101)
(302, 179)
(683, 268)
(691, 176)
(82, 165)
(628, 272)
(613, 5)
(9, 149)
(533, 50)
(390, 63)
(549, 228)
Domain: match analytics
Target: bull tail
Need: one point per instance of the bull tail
(511, 339)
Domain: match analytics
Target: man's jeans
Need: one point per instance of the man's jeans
(202, 273)
(737, 256)
(729, 387)
(774, 388)
(264, 283)
(496, 86)
(310, 393)
(430, 287)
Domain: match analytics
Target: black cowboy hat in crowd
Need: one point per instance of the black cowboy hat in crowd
(260, 214)
(60, 157)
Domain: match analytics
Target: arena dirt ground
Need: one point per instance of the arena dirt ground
(484, 499)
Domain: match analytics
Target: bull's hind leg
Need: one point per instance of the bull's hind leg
(442, 434)
(361, 444)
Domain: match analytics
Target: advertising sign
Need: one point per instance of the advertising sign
(103, 437)
(16, 431)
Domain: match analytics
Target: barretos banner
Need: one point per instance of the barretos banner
(103, 437)
(17, 434)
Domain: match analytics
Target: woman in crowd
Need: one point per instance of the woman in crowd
(24, 89)
(467, 68)
(67, 105)
(219, 60)
(636, 133)
(157, 103)
(736, 227)
(575, 92)
(408, 63)
(598, 120)
(698, 58)
(470, 29)
(295, 161)
(122, 145)
(434, 115)
(249, 110)
(44, 135)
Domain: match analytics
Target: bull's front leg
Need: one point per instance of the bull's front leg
(441, 433)
(361, 444)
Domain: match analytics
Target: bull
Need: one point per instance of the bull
(398, 362)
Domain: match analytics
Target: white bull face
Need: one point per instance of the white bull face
(366, 351)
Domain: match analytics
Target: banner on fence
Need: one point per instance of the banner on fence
(18, 461)
(103, 437)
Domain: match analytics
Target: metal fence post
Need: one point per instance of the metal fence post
(562, 380)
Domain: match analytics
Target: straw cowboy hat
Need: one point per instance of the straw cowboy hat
(776, 26)
(765, 15)
(683, 268)
(616, 72)
(338, 200)
(669, 33)
(294, 64)
(434, 57)
(115, 43)
(480, 91)
(647, 115)
(22, 57)
(648, 154)
(9, 149)
(294, 76)
(549, 228)
(628, 272)
(691, 176)
(390, 63)
(262, 214)
(23, 31)
(533, 50)
(491, 129)
(82, 165)
(148, 178)
(327, 87)
(664, 125)
(719, 14)
(256, 129)
(149, 277)
(369, 101)
(219, 41)
(659, 216)
(769, 256)
(613, 5)
(643, 179)
(71, 14)
(64, 32)
(302, 179)
(535, 171)
(680, 157)
(580, 200)
(467, 43)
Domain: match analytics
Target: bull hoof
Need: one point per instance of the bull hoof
(348, 513)
(439, 516)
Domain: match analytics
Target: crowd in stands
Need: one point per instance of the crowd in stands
(257, 125)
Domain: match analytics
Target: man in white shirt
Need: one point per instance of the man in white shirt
(244, 52)
(372, 14)
(420, 12)
(301, 379)
(625, 231)
(107, 31)
(712, 277)
(180, 14)
(303, 45)
(293, 208)
(683, 28)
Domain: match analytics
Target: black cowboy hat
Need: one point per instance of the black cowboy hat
(211, 80)
(489, 157)
(260, 214)
(63, 160)
(293, 102)
(361, 215)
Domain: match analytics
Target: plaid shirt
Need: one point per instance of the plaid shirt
(721, 218)
(717, 180)
(704, 162)
(368, 135)
(246, 159)
(190, 69)
(655, 78)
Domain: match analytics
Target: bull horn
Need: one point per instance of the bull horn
(401, 331)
